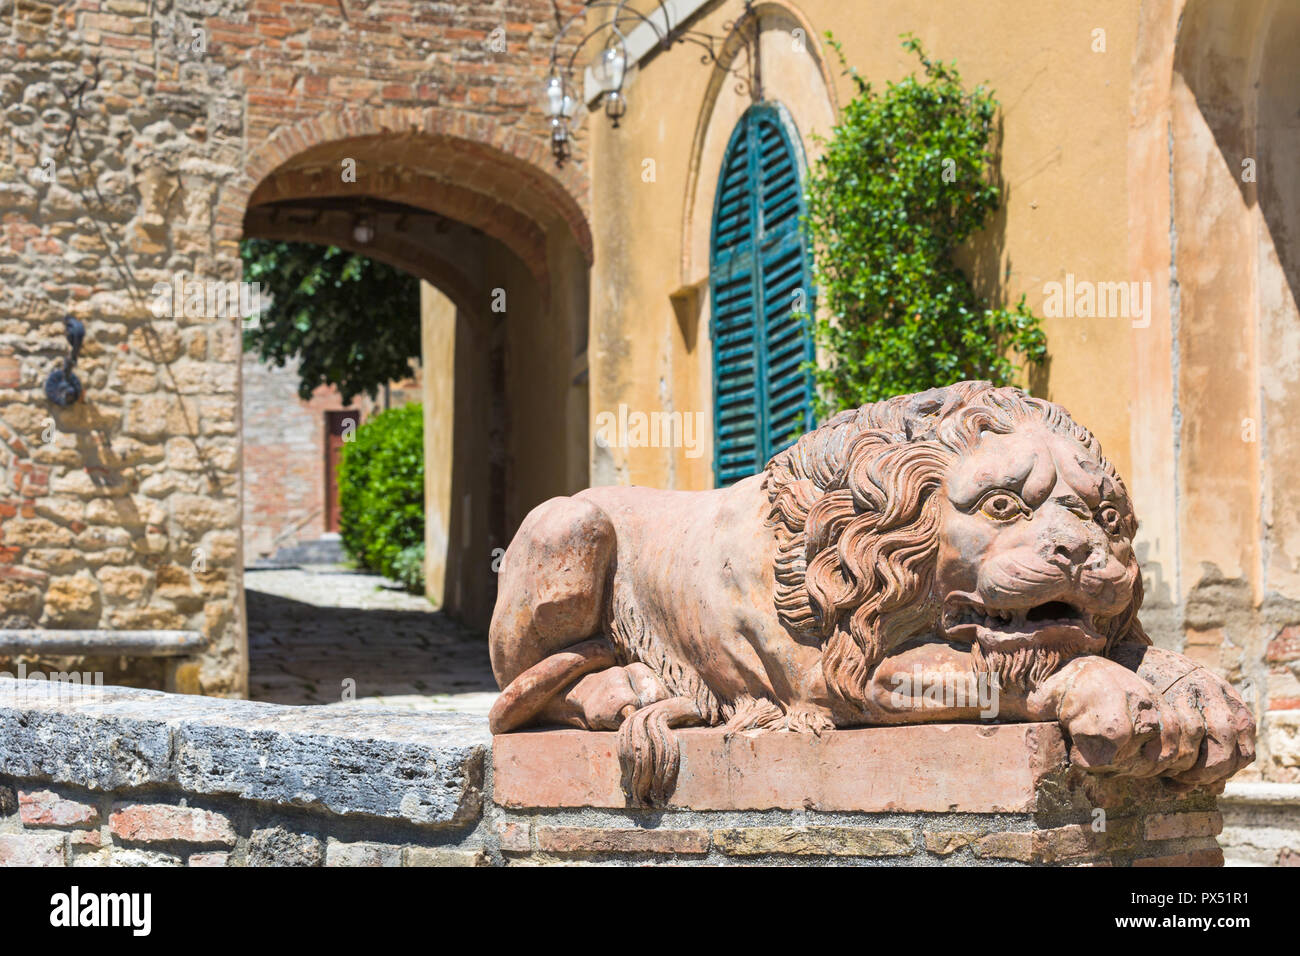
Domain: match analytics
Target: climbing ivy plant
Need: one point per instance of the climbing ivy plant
(904, 179)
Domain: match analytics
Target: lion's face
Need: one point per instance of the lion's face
(1035, 549)
(970, 512)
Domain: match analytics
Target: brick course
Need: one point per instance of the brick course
(164, 823)
(560, 839)
(45, 808)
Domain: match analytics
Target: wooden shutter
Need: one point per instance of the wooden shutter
(759, 276)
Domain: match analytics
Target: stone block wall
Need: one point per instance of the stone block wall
(133, 135)
(120, 511)
(1261, 823)
(120, 777)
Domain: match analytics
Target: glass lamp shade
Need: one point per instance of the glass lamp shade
(609, 68)
(363, 231)
(553, 100)
(568, 106)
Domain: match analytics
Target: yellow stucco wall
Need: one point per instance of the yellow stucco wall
(1064, 109)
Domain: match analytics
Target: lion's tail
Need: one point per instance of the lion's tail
(648, 750)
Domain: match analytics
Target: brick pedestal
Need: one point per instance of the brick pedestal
(955, 793)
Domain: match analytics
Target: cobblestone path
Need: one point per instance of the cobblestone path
(312, 628)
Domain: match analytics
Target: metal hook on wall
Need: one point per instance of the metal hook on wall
(62, 387)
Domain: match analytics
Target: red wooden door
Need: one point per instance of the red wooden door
(339, 426)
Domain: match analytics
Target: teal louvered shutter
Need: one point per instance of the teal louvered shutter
(759, 278)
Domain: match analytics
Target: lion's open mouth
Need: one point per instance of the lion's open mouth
(1049, 625)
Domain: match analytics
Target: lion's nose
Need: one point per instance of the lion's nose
(1072, 553)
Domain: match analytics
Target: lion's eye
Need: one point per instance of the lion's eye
(1002, 506)
(1109, 518)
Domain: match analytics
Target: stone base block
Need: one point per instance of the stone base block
(923, 795)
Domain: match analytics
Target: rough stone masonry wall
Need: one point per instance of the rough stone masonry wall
(121, 511)
(125, 777)
(126, 159)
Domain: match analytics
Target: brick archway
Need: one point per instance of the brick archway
(470, 168)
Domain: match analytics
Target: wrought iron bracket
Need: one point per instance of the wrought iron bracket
(62, 387)
(621, 19)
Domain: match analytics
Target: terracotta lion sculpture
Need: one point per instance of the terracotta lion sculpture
(966, 533)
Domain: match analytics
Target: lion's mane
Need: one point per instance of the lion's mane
(857, 525)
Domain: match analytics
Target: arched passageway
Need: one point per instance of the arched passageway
(502, 250)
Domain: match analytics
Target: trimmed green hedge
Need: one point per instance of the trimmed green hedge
(381, 493)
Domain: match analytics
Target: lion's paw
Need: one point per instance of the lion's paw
(1195, 733)
(1114, 719)
(807, 719)
(1216, 730)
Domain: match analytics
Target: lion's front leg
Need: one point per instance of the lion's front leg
(937, 682)
(580, 686)
(605, 699)
(1115, 721)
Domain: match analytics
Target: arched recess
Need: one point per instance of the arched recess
(436, 250)
(794, 75)
(507, 244)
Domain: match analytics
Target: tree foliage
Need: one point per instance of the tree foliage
(381, 493)
(904, 179)
(349, 321)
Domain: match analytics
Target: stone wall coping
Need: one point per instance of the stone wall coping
(1252, 793)
(426, 768)
(106, 643)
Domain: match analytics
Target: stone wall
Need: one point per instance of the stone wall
(124, 777)
(134, 134)
(1261, 823)
(112, 776)
(120, 511)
